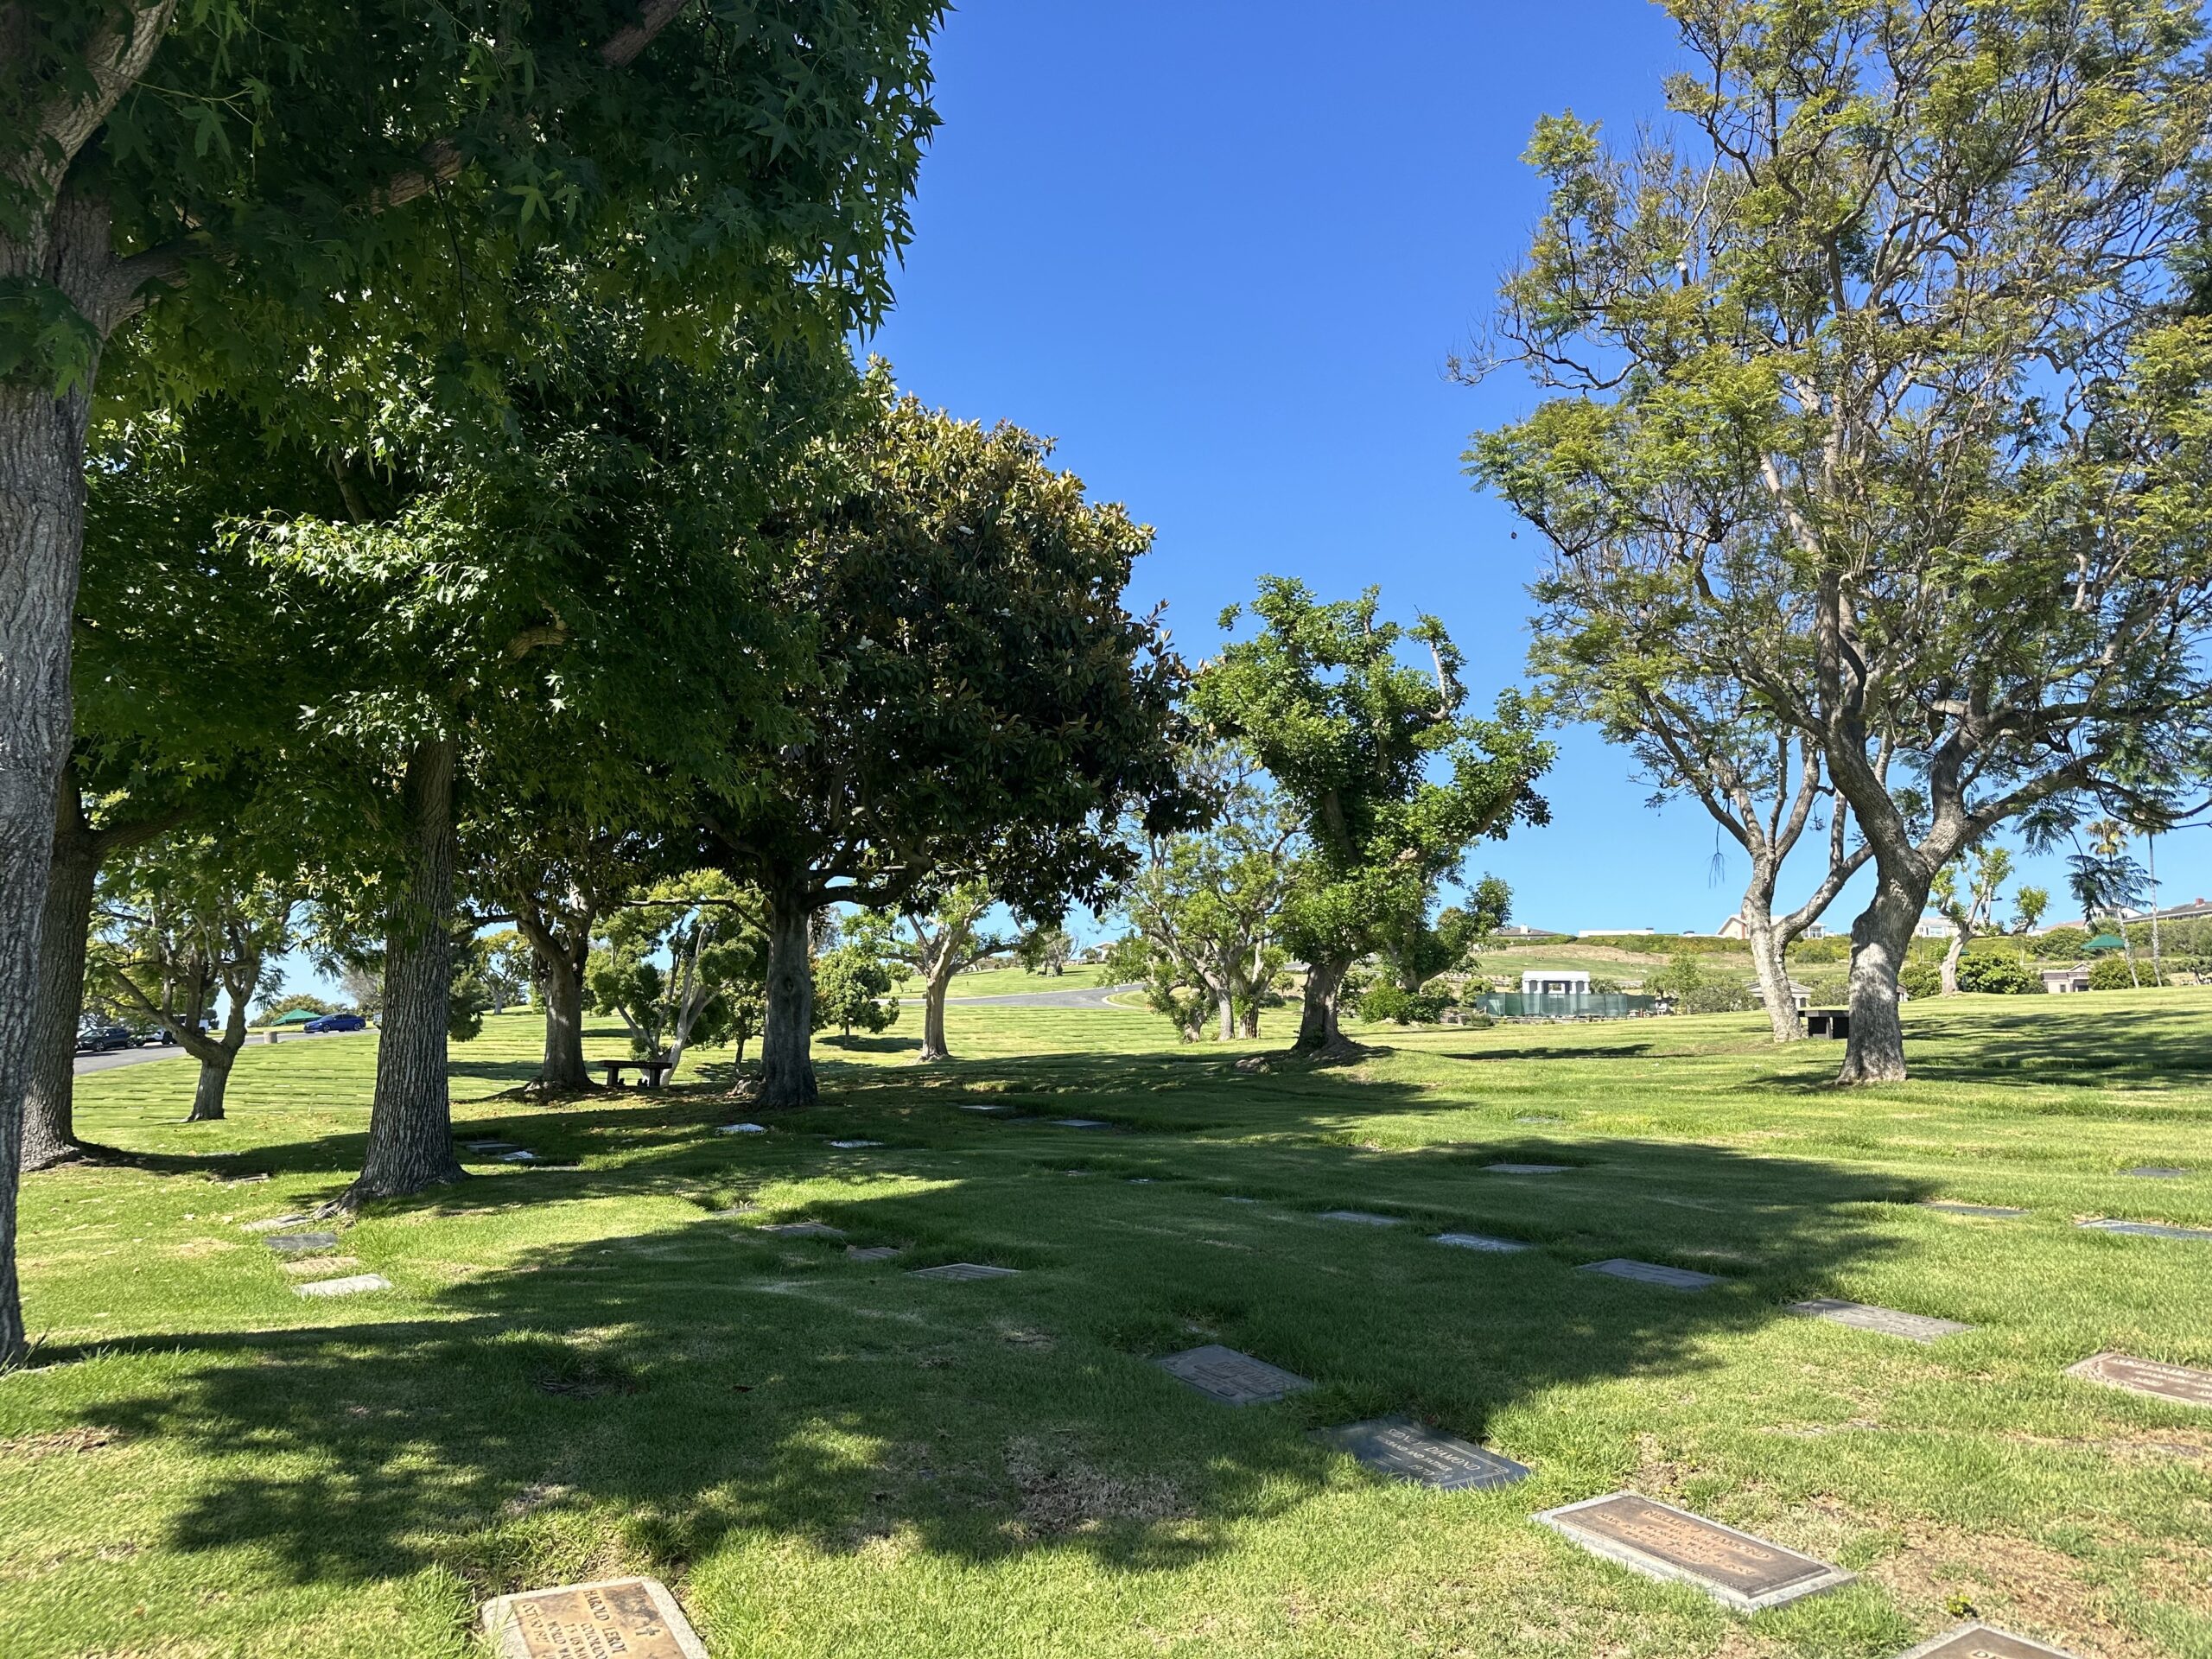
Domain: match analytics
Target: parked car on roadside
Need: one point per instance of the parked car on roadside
(335, 1022)
(102, 1038)
(150, 1034)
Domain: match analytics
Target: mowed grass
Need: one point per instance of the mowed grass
(589, 1370)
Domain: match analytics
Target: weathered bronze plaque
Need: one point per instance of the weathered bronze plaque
(1234, 1379)
(1883, 1321)
(1482, 1242)
(1528, 1169)
(854, 1146)
(1950, 1207)
(1651, 1272)
(2147, 1229)
(1363, 1218)
(2175, 1382)
(805, 1230)
(960, 1271)
(1662, 1542)
(1400, 1447)
(300, 1243)
(1981, 1642)
(620, 1619)
(872, 1252)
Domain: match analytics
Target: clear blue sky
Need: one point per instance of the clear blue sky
(1220, 250)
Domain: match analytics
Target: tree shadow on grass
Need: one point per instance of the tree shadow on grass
(659, 1392)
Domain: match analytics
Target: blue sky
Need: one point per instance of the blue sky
(1221, 251)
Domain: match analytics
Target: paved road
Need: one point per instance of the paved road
(1086, 996)
(109, 1061)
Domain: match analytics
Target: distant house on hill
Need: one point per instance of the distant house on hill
(2063, 980)
(1733, 928)
(1933, 926)
(1614, 932)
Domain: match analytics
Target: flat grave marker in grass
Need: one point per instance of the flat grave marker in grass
(519, 1157)
(1363, 1218)
(1234, 1379)
(855, 1145)
(353, 1285)
(2156, 1172)
(2147, 1229)
(1883, 1321)
(489, 1146)
(989, 1109)
(1081, 1123)
(2177, 1384)
(274, 1223)
(1983, 1642)
(1951, 1207)
(318, 1264)
(635, 1618)
(742, 1128)
(1651, 1272)
(1405, 1450)
(1481, 1242)
(1661, 1542)
(872, 1252)
(963, 1271)
(804, 1229)
(300, 1243)
(1528, 1169)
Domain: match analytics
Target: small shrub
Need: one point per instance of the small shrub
(1383, 1003)
(2111, 974)
(1992, 975)
(1920, 979)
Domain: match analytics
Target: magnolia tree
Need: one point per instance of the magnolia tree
(1871, 386)
(982, 698)
(1389, 780)
(678, 962)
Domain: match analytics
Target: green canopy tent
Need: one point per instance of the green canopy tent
(2106, 942)
(296, 1017)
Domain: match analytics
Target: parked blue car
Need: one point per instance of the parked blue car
(336, 1022)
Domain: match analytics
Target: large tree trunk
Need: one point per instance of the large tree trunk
(42, 543)
(208, 1092)
(1225, 1006)
(50, 1135)
(410, 1121)
(786, 1038)
(1318, 1032)
(935, 988)
(1879, 941)
(1951, 954)
(1770, 962)
(563, 1067)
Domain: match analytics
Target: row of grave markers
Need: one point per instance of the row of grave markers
(638, 1618)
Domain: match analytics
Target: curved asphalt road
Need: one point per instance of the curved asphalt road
(1086, 996)
(114, 1057)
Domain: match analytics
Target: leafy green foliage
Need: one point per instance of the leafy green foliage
(1989, 974)
(1921, 979)
(681, 962)
(2110, 973)
(852, 988)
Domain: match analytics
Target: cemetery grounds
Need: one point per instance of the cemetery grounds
(602, 1363)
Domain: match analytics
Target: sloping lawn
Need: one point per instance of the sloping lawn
(586, 1370)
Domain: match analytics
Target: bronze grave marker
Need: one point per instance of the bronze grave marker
(1883, 1321)
(1234, 1379)
(2176, 1383)
(1982, 1641)
(617, 1618)
(1402, 1447)
(1661, 1542)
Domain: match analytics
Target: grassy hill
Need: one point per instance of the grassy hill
(607, 1365)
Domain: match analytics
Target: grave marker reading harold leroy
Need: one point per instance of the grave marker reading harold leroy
(1661, 1542)
(620, 1619)
(1234, 1379)
(1883, 1321)
(1982, 1641)
(1404, 1449)
(2176, 1383)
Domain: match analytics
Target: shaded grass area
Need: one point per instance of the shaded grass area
(611, 1367)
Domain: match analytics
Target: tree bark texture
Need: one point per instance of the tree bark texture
(1958, 947)
(563, 1067)
(1318, 1032)
(50, 1134)
(1880, 939)
(208, 1092)
(410, 1121)
(935, 988)
(1770, 962)
(786, 1038)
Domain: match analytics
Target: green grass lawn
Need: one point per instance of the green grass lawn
(588, 1370)
(1017, 981)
